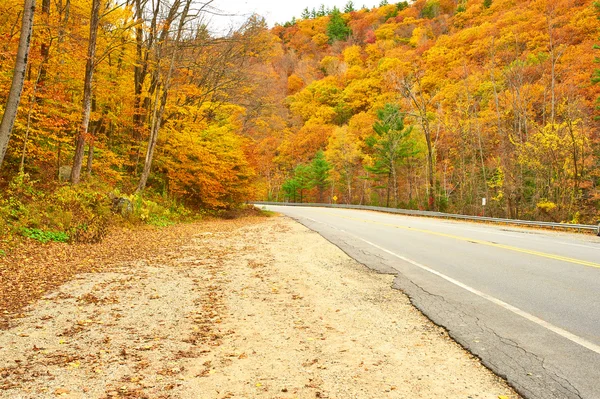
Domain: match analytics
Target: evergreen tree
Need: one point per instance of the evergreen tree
(349, 7)
(337, 29)
(402, 5)
(305, 14)
(302, 176)
(487, 3)
(322, 11)
(319, 171)
(391, 144)
(290, 189)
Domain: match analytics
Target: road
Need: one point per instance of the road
(527, 302)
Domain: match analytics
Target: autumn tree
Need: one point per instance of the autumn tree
(16, 88)
(420, 99)
(162, 79)
(87, 93)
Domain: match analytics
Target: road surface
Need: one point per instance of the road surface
(527, 302)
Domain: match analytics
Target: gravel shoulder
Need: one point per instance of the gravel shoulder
(257, 308)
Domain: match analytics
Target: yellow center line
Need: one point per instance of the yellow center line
(473, 240)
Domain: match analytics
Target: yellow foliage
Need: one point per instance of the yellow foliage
(330, 65)
(546, 206)
(320, 39)
(386, 32)
(352, 56)
(294, 83)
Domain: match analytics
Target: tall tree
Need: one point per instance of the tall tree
(16, 88)
(319, 171)
(391, 144)
(159, 107)
(87, 93)
(337, 29)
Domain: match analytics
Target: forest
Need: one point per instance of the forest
(430, 104)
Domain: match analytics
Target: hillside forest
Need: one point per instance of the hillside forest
(430, 104)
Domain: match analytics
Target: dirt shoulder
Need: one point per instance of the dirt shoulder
(257, 308)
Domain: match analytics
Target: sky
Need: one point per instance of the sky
(274, 11)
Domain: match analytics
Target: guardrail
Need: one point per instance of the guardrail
(552, 225)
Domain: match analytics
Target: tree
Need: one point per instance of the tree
(290, 189)
(420, 98)
(161, 101)
(349, 7)
(16, 88)
(319, 174)
(302, 175)
(87, 93)
(596, 72)
(337, 29)
(294, 188)
(391, 144)
(487, 3)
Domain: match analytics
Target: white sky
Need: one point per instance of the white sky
(279, 11)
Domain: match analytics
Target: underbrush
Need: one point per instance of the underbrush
(84, 213)
(77, 214)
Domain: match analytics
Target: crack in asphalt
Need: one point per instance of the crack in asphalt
(525, 371)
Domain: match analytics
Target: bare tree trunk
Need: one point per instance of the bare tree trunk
(87, 94)
(16, 88)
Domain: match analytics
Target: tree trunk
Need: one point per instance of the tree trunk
(32, 102)
(45, 47)
(16, 88)
(87, 94)
(157, 119)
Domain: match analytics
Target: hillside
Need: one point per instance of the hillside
(496, 97)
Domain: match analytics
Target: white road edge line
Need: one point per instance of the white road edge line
(563, 333)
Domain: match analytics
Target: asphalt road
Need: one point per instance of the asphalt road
(527, 302)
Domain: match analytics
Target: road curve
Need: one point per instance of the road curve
(527, 302)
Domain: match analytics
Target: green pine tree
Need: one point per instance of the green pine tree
(320, 174)
(391, 144)
(337, 29)
(290, 189)
(349, 7)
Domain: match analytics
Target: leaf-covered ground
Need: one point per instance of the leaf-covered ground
(251, 308)
(29, 269)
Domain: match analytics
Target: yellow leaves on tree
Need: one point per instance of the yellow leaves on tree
(205, 163)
